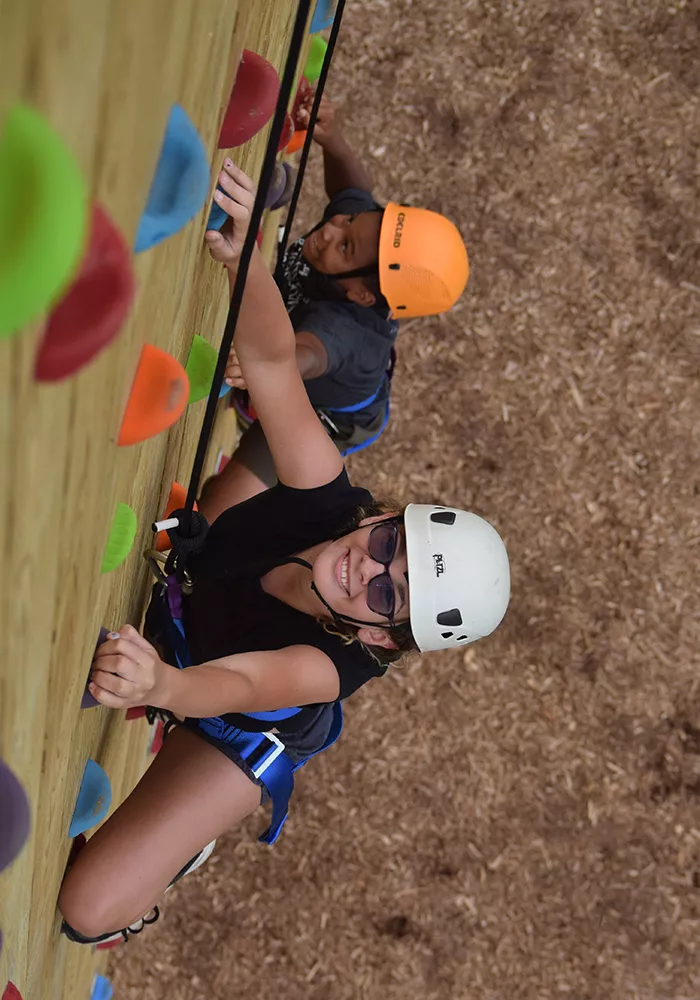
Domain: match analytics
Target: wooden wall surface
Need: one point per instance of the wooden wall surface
(105, 74)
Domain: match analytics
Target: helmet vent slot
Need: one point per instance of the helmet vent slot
(394, 267)
(401, 307)
(461, 638)
(443, 517)
(447, 635)
(448, 618)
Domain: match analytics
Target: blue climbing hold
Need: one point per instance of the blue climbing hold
(101, 989)
(180, 184)
(324, 12)
(94, 799)
(217, 216)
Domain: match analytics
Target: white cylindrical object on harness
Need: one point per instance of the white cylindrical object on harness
(170, 522)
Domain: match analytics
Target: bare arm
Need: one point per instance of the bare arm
(127, 671)
(265, 344)
(254, 682)
(341, 165)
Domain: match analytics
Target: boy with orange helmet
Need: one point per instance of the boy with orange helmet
(346, 283)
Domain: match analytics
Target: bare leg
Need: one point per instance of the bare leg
(191, 794)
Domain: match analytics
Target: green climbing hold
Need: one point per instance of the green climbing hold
(314, 61)
(43, 217)
(200, 367)
(121, 538)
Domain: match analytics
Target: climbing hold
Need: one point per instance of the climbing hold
(222, 461)
(314, 60)
(176, 501)
(121, 538)
(14, 816)
(135, 713)
(290, 176)
(323, 16)
(11, 992)
(217, 216)
(87, 700)
(158, 396)
(286, 133)
(252, 101)
(94, 799)
(180, 184)
(43, 217)
(277, 184)
(93, 311)
(296, 142)
(200, 367)
(101, 989)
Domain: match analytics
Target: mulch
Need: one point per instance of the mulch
(519, 820)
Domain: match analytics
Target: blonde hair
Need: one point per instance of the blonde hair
(401, 634)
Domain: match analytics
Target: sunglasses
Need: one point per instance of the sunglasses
(382, 544)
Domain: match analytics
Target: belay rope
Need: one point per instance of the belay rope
(186, 527)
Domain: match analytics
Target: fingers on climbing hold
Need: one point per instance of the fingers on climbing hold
(94, 799)
(121, 538)
(14, 816)
(252, 101)
(158, 396)
(180, 184)
(93, 310)
(43, 217)
(88, 701)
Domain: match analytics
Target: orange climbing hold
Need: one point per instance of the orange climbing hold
(158, 396)
(176, 501)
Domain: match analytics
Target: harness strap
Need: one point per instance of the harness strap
(262, 752)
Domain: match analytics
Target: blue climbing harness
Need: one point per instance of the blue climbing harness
(264, 753)
(325, 411)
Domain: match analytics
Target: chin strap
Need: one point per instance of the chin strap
(337, 618)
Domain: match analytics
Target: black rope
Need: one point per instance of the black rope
(281, 250)
(295, 44)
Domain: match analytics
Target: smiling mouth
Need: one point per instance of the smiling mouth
(342, 571)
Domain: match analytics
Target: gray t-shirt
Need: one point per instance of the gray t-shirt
(358, 339)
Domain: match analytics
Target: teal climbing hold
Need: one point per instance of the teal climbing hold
(94, 799)
(324, 12)
(101, 989)
(180, 183)
(43, 217)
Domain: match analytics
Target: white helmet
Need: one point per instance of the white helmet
(458, 576)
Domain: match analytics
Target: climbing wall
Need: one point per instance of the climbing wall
(103, 77)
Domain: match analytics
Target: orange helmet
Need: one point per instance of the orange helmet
(423, 263)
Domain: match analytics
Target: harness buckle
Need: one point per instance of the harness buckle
(327, 422)
(271, 757)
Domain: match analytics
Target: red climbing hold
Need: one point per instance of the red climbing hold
(135, 713)
(92, 312)
(252, 100)
(287, 133)
(11, 992)
(158, 396)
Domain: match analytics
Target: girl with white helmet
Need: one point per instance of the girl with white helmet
(300, 595)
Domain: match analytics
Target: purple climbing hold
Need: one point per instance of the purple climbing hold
(14, 816)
